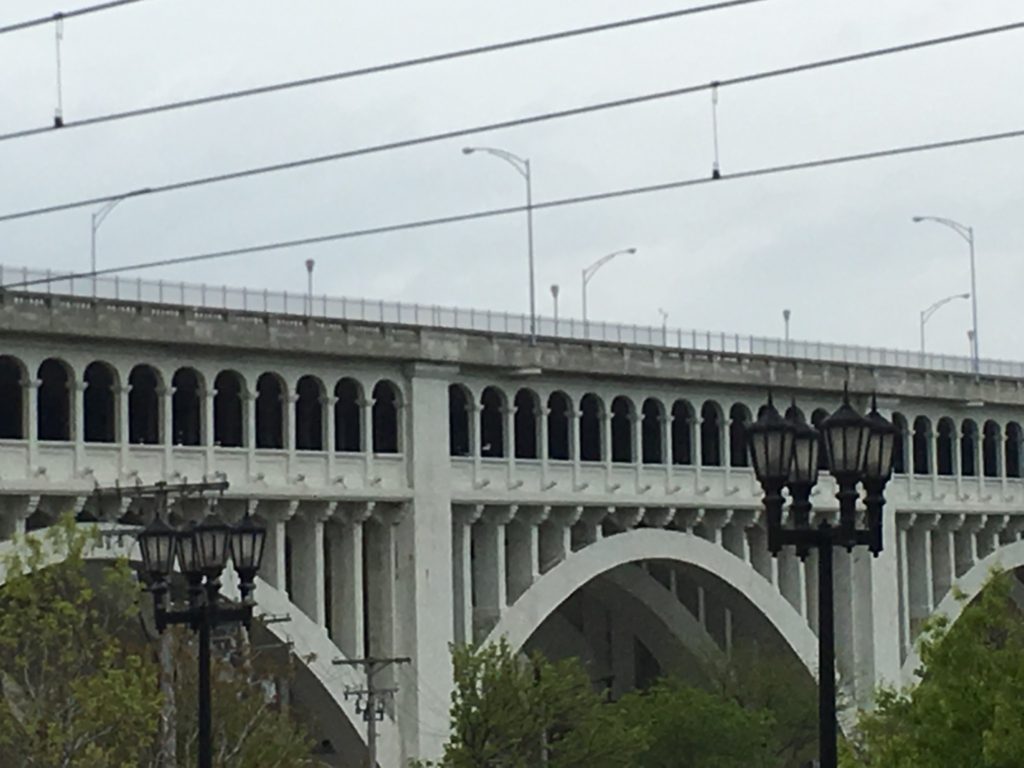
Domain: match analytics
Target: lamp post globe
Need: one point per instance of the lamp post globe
(770, 440)
(247, 543)
(846, 435)
(157, 545)
(803, 474)
(878, 464)
(188, 554)
(213, 538)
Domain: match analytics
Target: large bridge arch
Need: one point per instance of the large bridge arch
(525, 616)
(1008, 557)
(310, 643)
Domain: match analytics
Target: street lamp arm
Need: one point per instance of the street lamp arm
(592, 269)
(926, 314)
(965, 232)
(522, 165)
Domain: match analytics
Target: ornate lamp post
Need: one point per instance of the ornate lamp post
(202, 551)
(784, 453)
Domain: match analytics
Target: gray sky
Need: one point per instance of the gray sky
(835, 245)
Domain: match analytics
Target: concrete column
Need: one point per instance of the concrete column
(597, 632)
(207, 428)
(636, 421)
(249, 431)
(327, 404)
(623, 659)
(379, 555)
(523, 537)
(919, 577)
(276, 515)
(542, 431)
(811, 588)
(488, 572)
(790, 581)
(78, 424)
(606, 439)
(876, 592)
(366, 434)
(308, 571)
(846, 658)
(424, 562)
(943, 555)
(290, 422)
(666, 441)
(167, 427)
(345, 540)
(462, 570)
(965, 543)
(555, 536)
(121, 395)
(31, 389)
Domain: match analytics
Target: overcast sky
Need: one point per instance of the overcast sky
(836, 246)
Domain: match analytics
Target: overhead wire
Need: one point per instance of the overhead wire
(511, 123)
(544, 205)
(59, 15)
(380, 68)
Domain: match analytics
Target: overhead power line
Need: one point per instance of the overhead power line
(550, 204)
(64, 15)
(379, 68)
(505, 124)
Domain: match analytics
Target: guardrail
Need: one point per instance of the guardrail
(300, 304)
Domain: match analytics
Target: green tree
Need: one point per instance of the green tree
(967, 709)
(73, 692)
(687, 727)
(79, 682)
(512, 712)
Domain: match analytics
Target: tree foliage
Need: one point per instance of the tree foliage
(80, 686)
(512, 712)
(967, 709)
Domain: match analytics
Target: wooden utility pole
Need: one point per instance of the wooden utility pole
(370, 700)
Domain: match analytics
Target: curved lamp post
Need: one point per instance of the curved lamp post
(588, 273)
(967, 233)
(522, 166)
(784, 454)
(926, 314)
(202, 552)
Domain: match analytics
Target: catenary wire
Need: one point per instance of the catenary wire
(550, 204)
(504, 124)
(64, 15)
(378, 68)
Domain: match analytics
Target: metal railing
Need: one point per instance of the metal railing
(298, 304)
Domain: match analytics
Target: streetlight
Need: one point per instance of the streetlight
(784, 453)
(554, 297)
(926, 314)
(522, 166)
(967, 233)
(99, 215)
(589, 273)
(309, 285)
(202, 552)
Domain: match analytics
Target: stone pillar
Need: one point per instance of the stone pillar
(327, 404)
(346, 546)
(123, 431)
(207, 430)
(276, 515)
(308, 571)
(606, 440)
(523, 536)
(78, 425)
(489, 571)
(424, 562)
(31, 389)
(555, 536)
(463, 519)
(877, 606)
(366, 435)
(166, 395)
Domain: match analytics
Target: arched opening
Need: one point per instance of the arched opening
(527, 407)
(12, 404)
(991, 439)
(559, 415)
(899, 452)
(143, 406)
(622, 429)
(652, 417)
(710, 434)
(269, 411)
(969, 448)
(458, 420)
(739, 418)
(100, 411)
(227, 410)
(309, 414)
(591, 413)
(348, 422)
(385, 417)
(818, 417)
(946, 434)
(682, 432)
(186, 407)
(492, 423)
(54, 401)
(1012, 451)
(922, 437)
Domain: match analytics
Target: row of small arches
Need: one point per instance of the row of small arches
(103, 408)
(518, 430)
